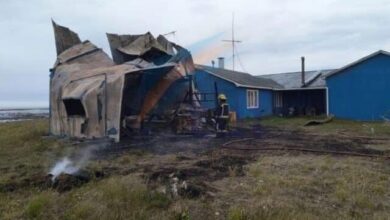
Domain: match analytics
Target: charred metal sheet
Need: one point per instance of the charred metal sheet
(64, 37)
(167, 45)
(116, 41)
(92, 96)
(129, 47)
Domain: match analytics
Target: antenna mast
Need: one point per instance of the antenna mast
(170, 33)
(233, 41)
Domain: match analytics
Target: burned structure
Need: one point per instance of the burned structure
(94, 96)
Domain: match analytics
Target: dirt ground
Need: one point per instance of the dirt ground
(198, 162)
(189, 166)
(228, 174)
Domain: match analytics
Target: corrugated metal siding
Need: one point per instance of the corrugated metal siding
(361, 92)
(204, 82)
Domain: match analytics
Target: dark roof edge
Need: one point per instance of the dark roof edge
(357, 62)
(306, 71)
(268, 88)
(201, 66)
(301, 88)
(237, 84)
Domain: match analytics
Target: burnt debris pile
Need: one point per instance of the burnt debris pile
(148, 82)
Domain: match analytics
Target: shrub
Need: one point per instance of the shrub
(37, 206)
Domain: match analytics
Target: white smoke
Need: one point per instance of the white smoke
(72, 166)
(63, 166)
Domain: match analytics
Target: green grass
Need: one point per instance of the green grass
(124, 197)
(321, 186)
(265, 213)
(274, 187)
(120, 197)
(335, 126)
(37, 207)
(25, 151)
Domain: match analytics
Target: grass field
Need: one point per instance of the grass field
(336, 126)
(275, 185)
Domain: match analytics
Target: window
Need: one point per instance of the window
(252, 98)
(74, 107)
(278, 100)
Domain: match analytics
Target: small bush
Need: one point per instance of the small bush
(341, 193)
(237, 214)
(184, 215)
(157, 200)
(37, 205)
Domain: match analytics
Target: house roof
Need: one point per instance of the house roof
(292, 80)
(357, 62)
(240, 79)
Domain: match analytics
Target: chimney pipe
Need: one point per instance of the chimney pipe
(213, 63)
(221, 62)
(303, 70)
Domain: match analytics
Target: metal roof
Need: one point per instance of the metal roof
(292, 80)
(357, 62)
(241, 79)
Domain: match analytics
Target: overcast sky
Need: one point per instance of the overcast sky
(274, 34)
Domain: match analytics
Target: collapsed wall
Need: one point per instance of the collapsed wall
(94, 96)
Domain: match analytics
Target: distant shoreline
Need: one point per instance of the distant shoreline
(23, 109)
(20, 114)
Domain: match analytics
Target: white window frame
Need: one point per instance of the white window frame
(252, 98)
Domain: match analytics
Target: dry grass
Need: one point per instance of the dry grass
(336, 126)
(274, 187)
(24, 150)
(123, 197)
(316, 187)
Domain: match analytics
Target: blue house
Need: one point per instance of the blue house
(358, 91)
(248, 96)
(361, 90)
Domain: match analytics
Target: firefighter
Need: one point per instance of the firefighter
(222, 115)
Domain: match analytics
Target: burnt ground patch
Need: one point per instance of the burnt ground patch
(193, 179)
(224, 166)
(198, 161)
(39, 180)
(62, 183)
(285, 138)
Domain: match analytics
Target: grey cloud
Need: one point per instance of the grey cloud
(275, 34)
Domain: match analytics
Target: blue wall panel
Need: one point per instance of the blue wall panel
(204, 82)
(265, 104)
(361, 92)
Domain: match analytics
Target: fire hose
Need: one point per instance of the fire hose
(346, 153)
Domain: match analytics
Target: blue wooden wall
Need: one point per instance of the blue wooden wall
(204, 82)
(361, 92)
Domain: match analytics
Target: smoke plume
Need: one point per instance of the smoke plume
(72, 164)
